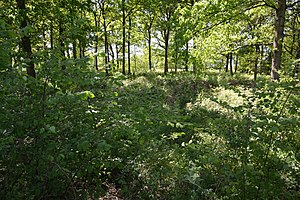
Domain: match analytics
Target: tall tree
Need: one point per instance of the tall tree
(123, 36)
(278, 38)
(148, 16)
(165, 20)
(25, 39)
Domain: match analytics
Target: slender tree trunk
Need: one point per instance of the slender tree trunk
(261, 59)
(176, 58)
(83, 49)
(230, 63)
(227, 62)
(128, 45)
(74, 49)
(62, 44)
(25, 40)
(106, 50)
(187, 57)
(256, 62)
(117, 56)
(96, 40)
(167, 35)
(236, 63)
(278, 39)
(296, 70)
(149, 48)
(68, 54)
(193, 60)
(124, 37)
(61, 40)
(112, 54)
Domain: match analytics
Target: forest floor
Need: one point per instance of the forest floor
(187, 134)
(151, 136)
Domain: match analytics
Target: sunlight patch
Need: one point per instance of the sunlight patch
(220, 100)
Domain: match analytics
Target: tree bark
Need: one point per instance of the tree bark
(74, 49)
(124, 37)
(106, 46)
(187, 57)
(96, 40)
(230, 63)
(278, 38)
(112, 54)
(236, 63)
(296, 70)
(25, 40)
(176, 58)
(227, 62)
(128, 46)
(149, 42)
(167, 35)
(117, 56)
(256, 62)
(149, 48)
(62, 44)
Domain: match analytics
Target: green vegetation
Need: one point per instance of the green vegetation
(148, 99)
(154, 137)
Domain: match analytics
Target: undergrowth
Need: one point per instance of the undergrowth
(179, 136)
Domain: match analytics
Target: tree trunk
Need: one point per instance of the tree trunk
(149, 48)
(296, 70)
(128, 45)
(106, 49)
(261, 59)
(278, 39)
(61, 40)
(117, 56)
(83, 50)
(230, 63)
(227, 62)
(167, 34)
(62, 44)
(96, 41)
(25, 40)
(176, 59)
(256, 62)
(236, 63)
(112, 54)
(187, 57)
(74, 49)
(124, 37)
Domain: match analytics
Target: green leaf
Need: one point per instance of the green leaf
(52, 129)
(85, 95)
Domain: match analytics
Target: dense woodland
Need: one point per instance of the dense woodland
(149, 99)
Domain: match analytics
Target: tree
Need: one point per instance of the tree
(25, 38)
(165, 25)
(278, 38)
(148, 16)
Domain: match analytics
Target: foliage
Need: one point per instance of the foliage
(81, 128)
(153, 136)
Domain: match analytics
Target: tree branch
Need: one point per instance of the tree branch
(292, 4)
